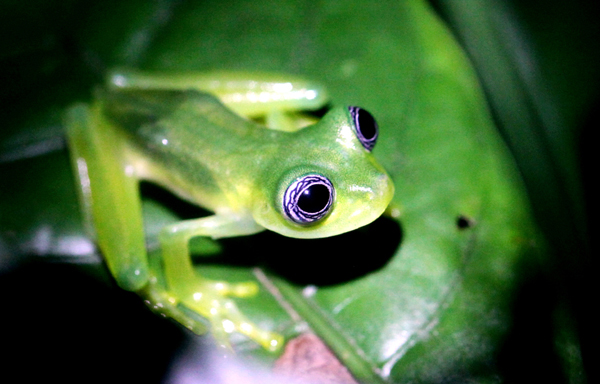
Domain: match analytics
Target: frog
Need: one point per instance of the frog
(241, 145)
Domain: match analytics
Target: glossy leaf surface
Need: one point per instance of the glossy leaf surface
(424, 297)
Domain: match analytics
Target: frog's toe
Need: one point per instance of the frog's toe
(245, 289)
(166, 304)
(271, 341)
(231, 320)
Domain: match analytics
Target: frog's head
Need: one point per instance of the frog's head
(326, 181)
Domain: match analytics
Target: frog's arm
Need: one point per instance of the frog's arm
(110, 199)
(206, 297)
(276, 98)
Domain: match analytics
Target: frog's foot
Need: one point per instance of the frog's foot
(209, 299)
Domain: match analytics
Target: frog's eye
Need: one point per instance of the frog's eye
(308, 199)
(365, 127)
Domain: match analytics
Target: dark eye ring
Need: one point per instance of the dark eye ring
(365, 127)
(308, 199)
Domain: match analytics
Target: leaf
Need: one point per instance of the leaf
(426, 297)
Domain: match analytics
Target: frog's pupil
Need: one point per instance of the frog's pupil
(367, 124)
(314, 198)
(365, 127)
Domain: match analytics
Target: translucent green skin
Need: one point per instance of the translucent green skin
(167, 130)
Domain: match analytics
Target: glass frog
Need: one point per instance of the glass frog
(194, 134)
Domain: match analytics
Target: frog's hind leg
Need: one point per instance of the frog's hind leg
(275, 99)
(109, 195)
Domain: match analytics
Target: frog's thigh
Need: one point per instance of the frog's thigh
(110, 198)
(250, 94)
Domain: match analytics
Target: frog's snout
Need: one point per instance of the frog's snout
(385, 189)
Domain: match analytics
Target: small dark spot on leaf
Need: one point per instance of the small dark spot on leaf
(464, 222)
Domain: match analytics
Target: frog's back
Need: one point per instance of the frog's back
(191, 136)
(182, 115)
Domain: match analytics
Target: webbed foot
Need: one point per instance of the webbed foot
(210, 299)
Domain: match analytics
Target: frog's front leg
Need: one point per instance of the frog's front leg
(208, 298)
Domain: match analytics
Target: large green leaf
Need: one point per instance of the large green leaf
(425, 297)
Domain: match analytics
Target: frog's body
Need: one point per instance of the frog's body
(179, 158)
(250, 176)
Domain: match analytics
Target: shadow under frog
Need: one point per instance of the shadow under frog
(322, 262)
